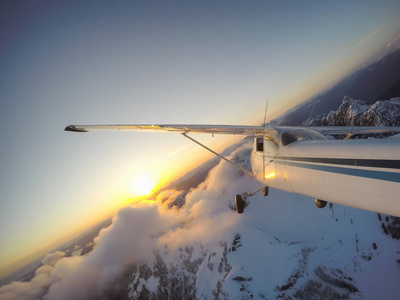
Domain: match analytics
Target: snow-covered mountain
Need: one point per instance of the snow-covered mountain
(189, 242)
(358, 113)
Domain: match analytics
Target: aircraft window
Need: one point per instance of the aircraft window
(260, 144)
(316, 135)
(288, 138)
(270, 145)
(291, 136)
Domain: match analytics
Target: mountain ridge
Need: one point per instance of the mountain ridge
(377, 81)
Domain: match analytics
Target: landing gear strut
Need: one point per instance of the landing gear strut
(241, 200)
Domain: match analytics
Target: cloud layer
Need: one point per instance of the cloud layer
(136, 232)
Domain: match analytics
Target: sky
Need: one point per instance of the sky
(100, 62)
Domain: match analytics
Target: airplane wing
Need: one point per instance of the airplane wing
(233, 129)
(213, 129)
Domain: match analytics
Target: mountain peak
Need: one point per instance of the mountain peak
(353, 112)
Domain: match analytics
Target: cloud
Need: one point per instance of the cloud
(136, 232)
(132, 237)
(207, 212)
(52, 258)
(38, 286)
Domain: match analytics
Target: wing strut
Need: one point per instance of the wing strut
(213, 152)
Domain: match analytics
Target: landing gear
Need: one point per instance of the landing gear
(320, 203)
(240, 204)
(241, 200)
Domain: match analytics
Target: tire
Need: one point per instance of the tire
(265, 191)
(240, 203)
(320, 203)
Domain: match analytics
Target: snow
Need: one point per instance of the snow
(354, 112)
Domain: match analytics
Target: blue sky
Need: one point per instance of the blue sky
(98, 62)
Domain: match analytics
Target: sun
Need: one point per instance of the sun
(142, 184)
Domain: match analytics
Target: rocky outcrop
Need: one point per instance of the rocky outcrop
(354, 112)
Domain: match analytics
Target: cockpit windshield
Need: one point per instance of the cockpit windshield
(295, 135)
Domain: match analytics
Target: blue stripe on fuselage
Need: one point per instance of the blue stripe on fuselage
(380, 175)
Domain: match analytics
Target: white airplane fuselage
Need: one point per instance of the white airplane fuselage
(362, 173)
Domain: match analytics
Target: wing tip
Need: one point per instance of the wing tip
(73, 128)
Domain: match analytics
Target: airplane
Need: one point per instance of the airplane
(361, 173)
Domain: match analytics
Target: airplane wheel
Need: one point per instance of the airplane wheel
(266, 191)
(320, 203)
(240, 203)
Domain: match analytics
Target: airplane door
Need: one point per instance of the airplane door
(270, 148)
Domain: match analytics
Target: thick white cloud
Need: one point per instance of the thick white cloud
(52, 258)
(207, 212)
(37, 287)
(134, 235)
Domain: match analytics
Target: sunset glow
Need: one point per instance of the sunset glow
(142, 184)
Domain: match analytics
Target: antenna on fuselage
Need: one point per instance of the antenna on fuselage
(264, 124)
(265, 114)
(312, 110)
